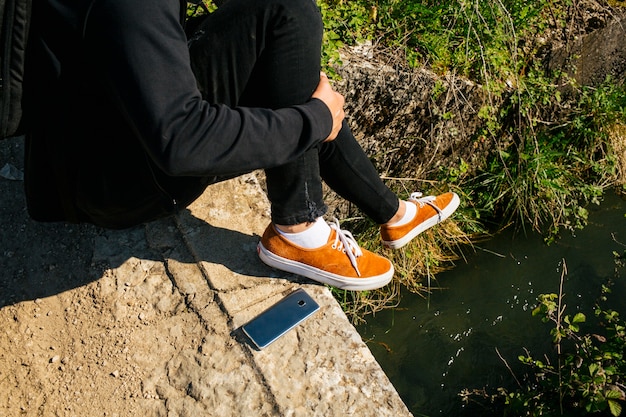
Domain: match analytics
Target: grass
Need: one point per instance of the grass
(555, 146)
(416, 265)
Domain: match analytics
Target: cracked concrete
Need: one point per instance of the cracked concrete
(146, 321)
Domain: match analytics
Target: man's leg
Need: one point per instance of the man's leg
(266, 53)
(349, 172)
(258, 53)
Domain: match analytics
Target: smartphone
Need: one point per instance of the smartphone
(280, 318)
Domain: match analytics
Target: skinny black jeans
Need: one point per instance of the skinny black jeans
(266, 53)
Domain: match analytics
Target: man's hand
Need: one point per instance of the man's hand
(334, 101)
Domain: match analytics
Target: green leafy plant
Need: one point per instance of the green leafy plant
(547, 175)
(201, 8)
(552, 156)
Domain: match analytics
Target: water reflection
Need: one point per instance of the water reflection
(461, 336)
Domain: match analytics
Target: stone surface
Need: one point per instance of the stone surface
(593, 57)
(411, 122)
(320, 368)
(146, 321)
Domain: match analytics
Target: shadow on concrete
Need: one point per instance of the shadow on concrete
(44, 259)
(38, 260)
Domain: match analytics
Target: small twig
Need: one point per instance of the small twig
(561, 309)
(508, 367)
(616, 241)
(491, 252)
(561, 306)
(384, 177)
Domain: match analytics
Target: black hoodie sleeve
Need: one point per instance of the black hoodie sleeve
(140, 50)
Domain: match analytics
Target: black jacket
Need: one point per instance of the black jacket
(120, 134)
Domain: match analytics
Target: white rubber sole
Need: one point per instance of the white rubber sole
(325, 277)
(425, 225)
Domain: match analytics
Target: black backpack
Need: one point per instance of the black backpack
(14, 26)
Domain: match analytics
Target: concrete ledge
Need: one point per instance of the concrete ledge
(321, 368)
(144, 321)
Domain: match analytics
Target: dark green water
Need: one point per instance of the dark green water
(431, 348)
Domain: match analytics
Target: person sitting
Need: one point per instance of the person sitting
(133, 116)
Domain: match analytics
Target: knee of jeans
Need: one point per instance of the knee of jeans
(305, 13)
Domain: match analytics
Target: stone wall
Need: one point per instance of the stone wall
(412, 122)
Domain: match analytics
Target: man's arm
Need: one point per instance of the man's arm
(141, 55)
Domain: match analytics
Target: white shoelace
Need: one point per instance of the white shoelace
(344, 241)
(417, 197)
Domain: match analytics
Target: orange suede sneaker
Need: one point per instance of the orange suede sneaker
(430, 211)
(340, 262)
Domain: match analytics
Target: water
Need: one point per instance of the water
(459, 337)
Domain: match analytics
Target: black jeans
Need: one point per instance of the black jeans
(266, 53)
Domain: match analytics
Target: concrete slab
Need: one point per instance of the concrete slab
(322, 367)
(146, 321)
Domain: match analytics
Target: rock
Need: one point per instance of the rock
(595, 56)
